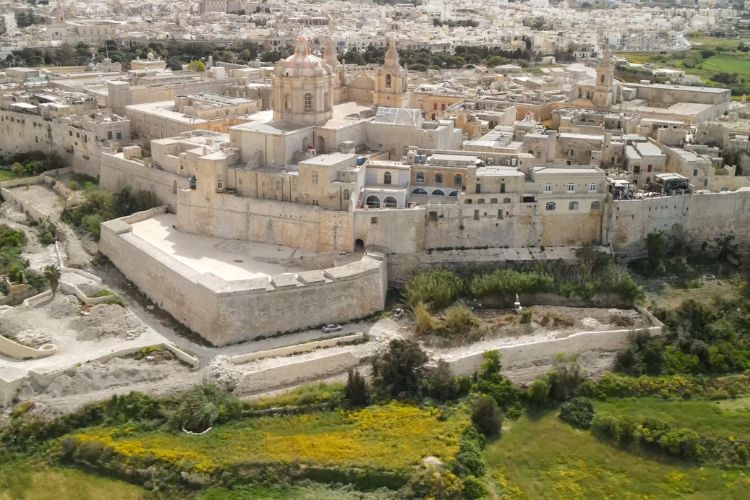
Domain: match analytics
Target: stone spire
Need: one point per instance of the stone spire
(330, 54)
(391, 54)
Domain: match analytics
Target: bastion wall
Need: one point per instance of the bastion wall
(703, 217)
(225, 312)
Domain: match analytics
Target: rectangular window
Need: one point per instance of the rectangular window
(637, 169)
(695, 172)
(571, 188)
(548, 188)
(649, 168)
(592, 188)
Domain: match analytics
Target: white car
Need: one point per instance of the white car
(331, 327)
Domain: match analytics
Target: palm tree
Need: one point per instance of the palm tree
(52, 275)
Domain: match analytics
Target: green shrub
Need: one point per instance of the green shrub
(203, 406)
(578, 412)
(438, 287)
(424, 322)
(486, 415)
(539, 393)
(357, 391)
(566, 378)
(429, 482)
(459, 319)
(92, 224)
(440, 384)
(506, 283)
(399, 370)
(474, 488)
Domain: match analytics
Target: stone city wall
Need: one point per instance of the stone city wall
(225, 312)
(268, 221)
(117, 173)
(703, 217)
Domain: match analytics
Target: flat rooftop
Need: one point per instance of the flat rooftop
(230, 260)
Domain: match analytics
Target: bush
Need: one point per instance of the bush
(430, 482)
(539, 393)
(459, 319)
(566, 378)
(203, 406)
(424, 322)
(440, 384)
(474, 488)
(526, 316)
(578, 412)
(470, 459)
(357, 391)
(398, 371)
(506, 283)
(486, 415)
(438, 287)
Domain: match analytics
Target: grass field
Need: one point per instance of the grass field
(546, 458)
(727, 59)
(707, 418)
(390, 437)
(27, 480)
(309, 491)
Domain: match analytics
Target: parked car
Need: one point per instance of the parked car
(331, 327)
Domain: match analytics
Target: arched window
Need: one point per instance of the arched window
(388, 80)
(457, 180)
(438, 179)
(390, 202)
(595, 205)
(493, 200)
(347, 195)
(453, 193)
(420, 177)
(438, 192)
(308, 102)
(373, 202)
(468, 201)
(419, 191)
(506, 200)
(387, 178)
(550, 206)
(573, 205)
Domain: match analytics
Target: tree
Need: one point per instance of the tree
(399, 370)
(440, 384)
(486, 415)
(539, 393)
(565, 378)
(357, 390)
(52, 275)
(197, 65)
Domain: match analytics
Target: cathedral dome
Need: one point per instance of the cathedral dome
(303, 63)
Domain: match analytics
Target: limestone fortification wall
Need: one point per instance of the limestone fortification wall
(702, 216)
(268, 221)
(225, 312)
(116, 173)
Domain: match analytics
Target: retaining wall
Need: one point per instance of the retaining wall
(13, 349)
(291, 373)
(297, 348)
(542, 351)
